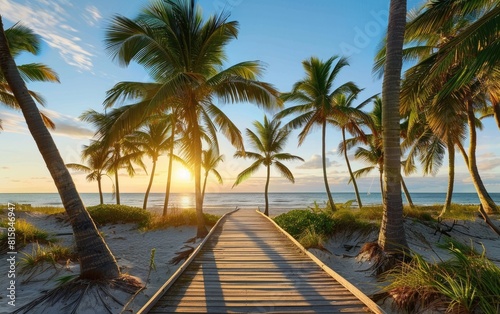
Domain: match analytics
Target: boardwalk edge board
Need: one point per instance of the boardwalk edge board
(349, 286)
(164, 288)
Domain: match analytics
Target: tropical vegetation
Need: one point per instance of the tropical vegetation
(268, 141)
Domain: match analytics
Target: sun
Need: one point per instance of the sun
(183, 174)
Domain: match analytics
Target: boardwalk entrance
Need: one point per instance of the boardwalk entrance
(249, 266)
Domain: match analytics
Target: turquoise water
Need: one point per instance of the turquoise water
(223, 202)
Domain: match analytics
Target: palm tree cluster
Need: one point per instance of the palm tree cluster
(423, 114)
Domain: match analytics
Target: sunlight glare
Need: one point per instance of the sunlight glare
(183, 174)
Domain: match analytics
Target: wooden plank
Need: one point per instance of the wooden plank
(248, 265)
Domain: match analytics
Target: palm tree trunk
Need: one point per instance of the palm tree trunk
(204, 185)
(392, 234)
(96, 260)
(117, 188)
(323, 158)
(169, 176)
(145, 204)
(358, 197)
(407, 193)
(266, 190)
(197, 151)
(451, 178)
(99, 186)
(381, 181)
(489, 205)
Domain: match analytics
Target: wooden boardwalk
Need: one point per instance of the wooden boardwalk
(248, 265)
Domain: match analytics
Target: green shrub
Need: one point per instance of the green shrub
(113, 214)
(186, 217)
(295, 222)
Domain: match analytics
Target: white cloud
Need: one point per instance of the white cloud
(49, 19)
(68, 126)
(92, 15)
(65, 125)
(315, 163)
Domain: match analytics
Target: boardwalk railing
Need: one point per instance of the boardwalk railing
(248, 264)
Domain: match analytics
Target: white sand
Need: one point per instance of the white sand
(131, 247)
(422, 239)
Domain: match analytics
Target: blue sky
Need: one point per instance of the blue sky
(279, 33)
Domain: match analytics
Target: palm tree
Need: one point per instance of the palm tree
(434, 92)
(153, 140)
(315, 94)
(23, 39)
(474, 51)
(184, 55)
(269, 142)
(349, 118)
(392, 234)
(210, 159)
(97, 159)
(96, 260)
(123, 153)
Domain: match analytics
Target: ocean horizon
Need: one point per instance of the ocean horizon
(219, 203)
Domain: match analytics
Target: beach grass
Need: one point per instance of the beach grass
(185, 217)
(47, 210)
(25, 233)
(114, 214)
(466, 283)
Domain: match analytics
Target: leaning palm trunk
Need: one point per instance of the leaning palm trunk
(323, 158)
(99, 186)
(169, 176)
(197, 149)
(358, 197)
(117, 188)
(451, 178)
(145, 204)
(266, 190)
(392, 235)
(407, 193)
(96, 260)
(489, 205)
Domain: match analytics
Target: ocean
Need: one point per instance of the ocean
(219, 203)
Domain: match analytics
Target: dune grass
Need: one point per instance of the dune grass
(186, 217)
(51, 254)
(47, 210)
(25, 233)
(466, 283)
(114, 214)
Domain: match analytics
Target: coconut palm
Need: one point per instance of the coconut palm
(97, 158)
(445, 107)
(350, 118)
(153, 140)
(392, 234)
(315, 95)
(23, 39)
(123, 153)
(474, 51)
(184, 55)
(96, 260)
(268, 141)
(210, 159)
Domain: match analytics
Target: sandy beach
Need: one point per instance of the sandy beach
(132, 248)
